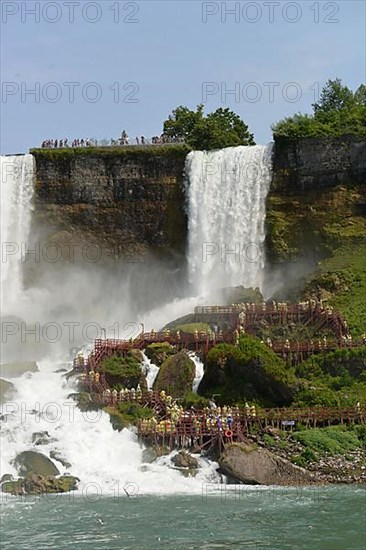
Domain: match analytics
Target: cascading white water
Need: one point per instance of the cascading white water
(17, 174)
(198, 371)
(105, 461)
(149, 370)
(227, 191)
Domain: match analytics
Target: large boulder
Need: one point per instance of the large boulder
(31, 462)
(14, 370)
(176, 375)
(185, 463)
(257, 466)
(7, 390)
(185, 460)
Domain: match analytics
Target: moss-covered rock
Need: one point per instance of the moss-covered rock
(124, 372)
(159, 352)
(31, 462)
(35, 484)
(251, 371)
(127, 414)
(176, 375)
(314, 224)
(15, 488)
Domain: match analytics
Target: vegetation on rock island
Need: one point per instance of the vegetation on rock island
(250, 371)
(339, 111)
(176, 375)
(123, 372)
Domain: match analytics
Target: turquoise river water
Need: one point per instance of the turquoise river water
(330, 518)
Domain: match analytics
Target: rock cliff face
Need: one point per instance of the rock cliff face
(126, 201)
(313, 163)
(316, 201)
(131, 201)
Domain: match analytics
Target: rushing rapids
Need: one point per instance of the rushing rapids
(227, 190)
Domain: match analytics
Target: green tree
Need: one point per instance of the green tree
(334, 97)
(339, 111)
(222, 128)
(182, 121)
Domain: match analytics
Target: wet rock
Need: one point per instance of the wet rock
(14, 370)
(6, 477)
(150, 454)
(57, 456)
(31, 462)
(35, 484)
(185, 460)
(159, 352)
(7, 390)
(257, 466)
(41, 438)
(14, 488)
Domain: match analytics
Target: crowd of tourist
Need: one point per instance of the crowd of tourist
(62, 143)
(121, 141)
(212, 418)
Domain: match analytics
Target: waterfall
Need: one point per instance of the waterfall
(17, 174)
(105, 460)
(227, 192)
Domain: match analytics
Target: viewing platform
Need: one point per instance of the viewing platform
(202, 429)
(291, 352)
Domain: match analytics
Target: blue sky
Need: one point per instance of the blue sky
(164, 59)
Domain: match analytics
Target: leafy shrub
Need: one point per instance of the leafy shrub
(338, 112)
(122, 371)
(250, 371)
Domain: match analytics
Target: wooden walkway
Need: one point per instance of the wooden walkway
(241, 318)
(203, 429)
(292, 352)
(311, 314)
